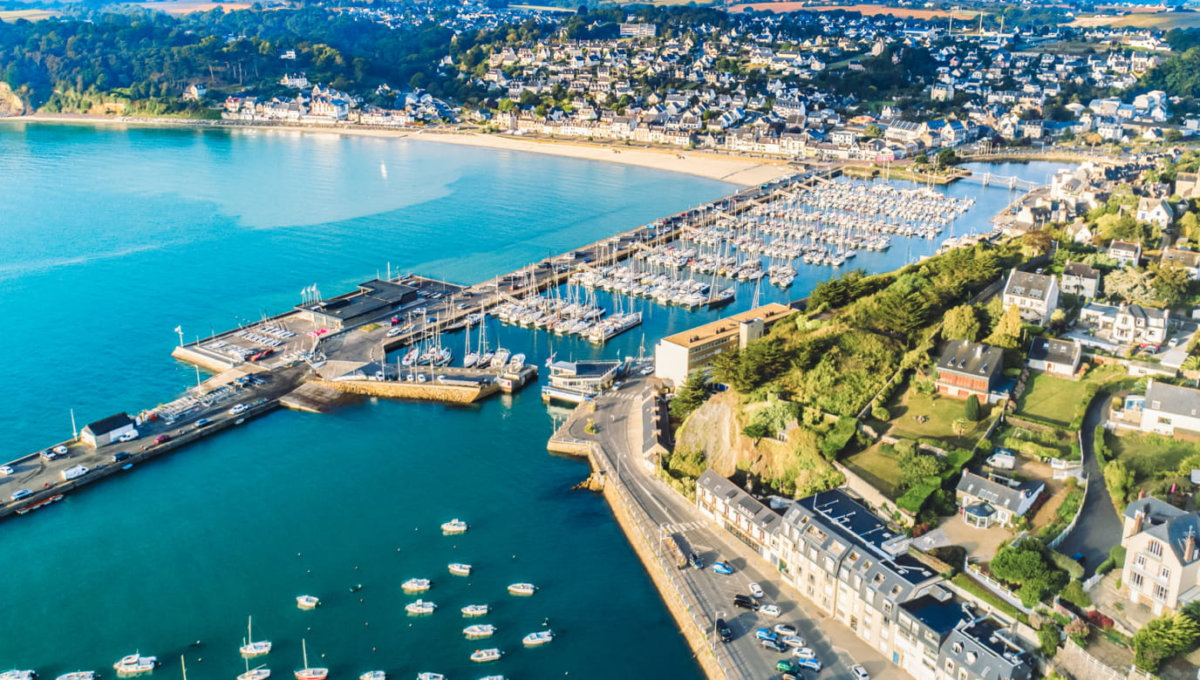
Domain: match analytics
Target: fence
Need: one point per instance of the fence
(1079, 664)
(1062, 536)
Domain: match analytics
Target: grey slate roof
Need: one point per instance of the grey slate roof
(109, 424)
(1167, 523)
(999, 495)
(1055, 351)
(1029, 285)
(971, 358)
(739, 500)
(1081, 270)
(981, 647)
(1181, 401)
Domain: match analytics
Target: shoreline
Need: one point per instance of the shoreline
(739, 170)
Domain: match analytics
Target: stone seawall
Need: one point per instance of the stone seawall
(453, 394)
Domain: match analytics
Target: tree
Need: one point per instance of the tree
(1007, 333)
(1172, 284)
(1129, 285)
(946, 158)
(1034, 243)
(1164, 638)
(1119, 480)
(971, 410)
(873, 131)
(915, 467)
(690, 395)
(961, 323)
(1078, 631)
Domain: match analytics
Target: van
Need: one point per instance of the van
(121, 455)
(73, 473)
(1003, 459)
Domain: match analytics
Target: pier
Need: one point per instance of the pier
(328, 351)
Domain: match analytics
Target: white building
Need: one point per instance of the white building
(678, 356)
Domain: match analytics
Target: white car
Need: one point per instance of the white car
(756, 590)
(61, 450)
(804, 653)
(794, 641)
(6, 470)
(238, 410)
(786, 630)
(128, 436)
(860, 673)
(769, 610)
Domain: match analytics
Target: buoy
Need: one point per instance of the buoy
(297, 554)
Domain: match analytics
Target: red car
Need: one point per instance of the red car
(162, 438)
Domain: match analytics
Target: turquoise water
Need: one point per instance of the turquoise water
(113, 237)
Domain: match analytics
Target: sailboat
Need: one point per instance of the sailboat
(485, 356)
(307, 673)
(258, 673)
(251, 648)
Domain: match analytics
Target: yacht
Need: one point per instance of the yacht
(539, 638)
(522, 589)
(307, 602)
(471, 359)
(492, 677)
(455, 526)
(308, 673)
(500, 358)
(18, 675)
(420, 607)
(252, 648)
(459, 569)
(135, 664)
(373, 675)
(410, 357)
(485, 655)
(475, 610)
(479, 630)
(259, 673)
(430, 676)
(516, 363)
(78, 675)
(416, 585)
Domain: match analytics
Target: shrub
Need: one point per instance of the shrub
(1078, 631)
(971, 410)
(914, 499)
(881, 414)
(1075, 594)
(1073, 568)
(836, 439)
(1162, 639)
(1099, 620)
(1049, 638)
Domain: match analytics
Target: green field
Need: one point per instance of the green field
(1151, 457)
(925, 416)
(1051, 398)
(1157, 20)
(878, 468)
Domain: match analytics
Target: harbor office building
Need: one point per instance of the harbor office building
(845, 559)
(678, 356)
(374, 300)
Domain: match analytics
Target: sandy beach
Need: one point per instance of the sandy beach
(727, 168)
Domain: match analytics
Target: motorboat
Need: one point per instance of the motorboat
(455, 526)
(430, 676)
(78, 675)
(516, 363)
(460, 569)
(307, 673)
(253, 648)
(539, 638)
(373, 675)
(410, 357)
(475, 610)
(470, 359)
(416, 585)
(307, 602)
(420, 607)
(135, 664)
(492, 677)
(522, 589)
(479, 630)
(18, 675)
(500, 358)
(485, 655)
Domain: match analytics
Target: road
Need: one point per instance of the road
(617, 421)
(1102, 530)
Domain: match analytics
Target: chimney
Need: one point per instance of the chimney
(1189, 546)
(1141, 493)
(978, 351)
(1138, 518)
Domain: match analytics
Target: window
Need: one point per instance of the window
(1164, 573)
(958, 648)
(1137, 579)
(1160, 592)
(1139, 561)
(1155, 548)
(949, 667)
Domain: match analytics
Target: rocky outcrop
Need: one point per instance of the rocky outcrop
(11, 103)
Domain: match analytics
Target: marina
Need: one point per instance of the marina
(363, 469)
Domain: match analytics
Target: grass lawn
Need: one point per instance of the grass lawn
(876, 467)
(1051, 398)
(926, 416)
(1150, 456)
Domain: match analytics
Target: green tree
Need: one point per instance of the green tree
(946, 158)
(690, 396)
(1119, 480)
(1007, 333)
(1129, 285)
(915, 467)
(961, 323)
(873, 131)
(1172, 284)
(1163, 638)
(971, 410)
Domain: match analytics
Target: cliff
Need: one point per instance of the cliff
(11, 104)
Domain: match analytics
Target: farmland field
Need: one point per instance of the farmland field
(867, 9)
(1157, 20)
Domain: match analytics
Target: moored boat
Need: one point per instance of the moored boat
(252, 648)
(475, 610)
(307, 673)
(373, 675)
(460, 569)
(485, 655)
(479, 630)
(522, 589)
(78, 675)
(30, 508)
(18, 675)
(539, 638)
(455, 526)
(430, 676)
(259, 673)
(307, 602)
(420, 607)
(416, 585)
(135, 664)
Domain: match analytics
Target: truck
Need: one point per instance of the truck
(1003, 459)
(73, 473)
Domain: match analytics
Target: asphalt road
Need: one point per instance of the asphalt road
(836, 647)
(1103, 528)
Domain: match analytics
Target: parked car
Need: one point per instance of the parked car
(769, 610)
(6, 470)
(745, 602)
(1003, 459)
(756, 590)
(772, 645)
(21, 493)
(804, 653)
(724, 631)
(61, 450)
(765, 634)
(73, 473)
(49, 455)
(128, 436)
(785, 629)
(203, 422)
(121, 455)
(238, 410)
(812, 664)
(860, 673)
(722, 568)
(784, 665)
(162, 438)
(794, 641)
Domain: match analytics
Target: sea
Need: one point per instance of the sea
(112, 237)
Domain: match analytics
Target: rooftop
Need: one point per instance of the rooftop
(722, 328)
(971, 358)
(372, 296)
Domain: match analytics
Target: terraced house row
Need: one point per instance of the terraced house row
(843, 557)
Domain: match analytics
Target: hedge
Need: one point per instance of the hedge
(1073, 568)
(914, 499)
(1089, 393)
(837, 438)
(1100, 444)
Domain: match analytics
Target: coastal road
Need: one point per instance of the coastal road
(1102, 529)
(618, 417)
